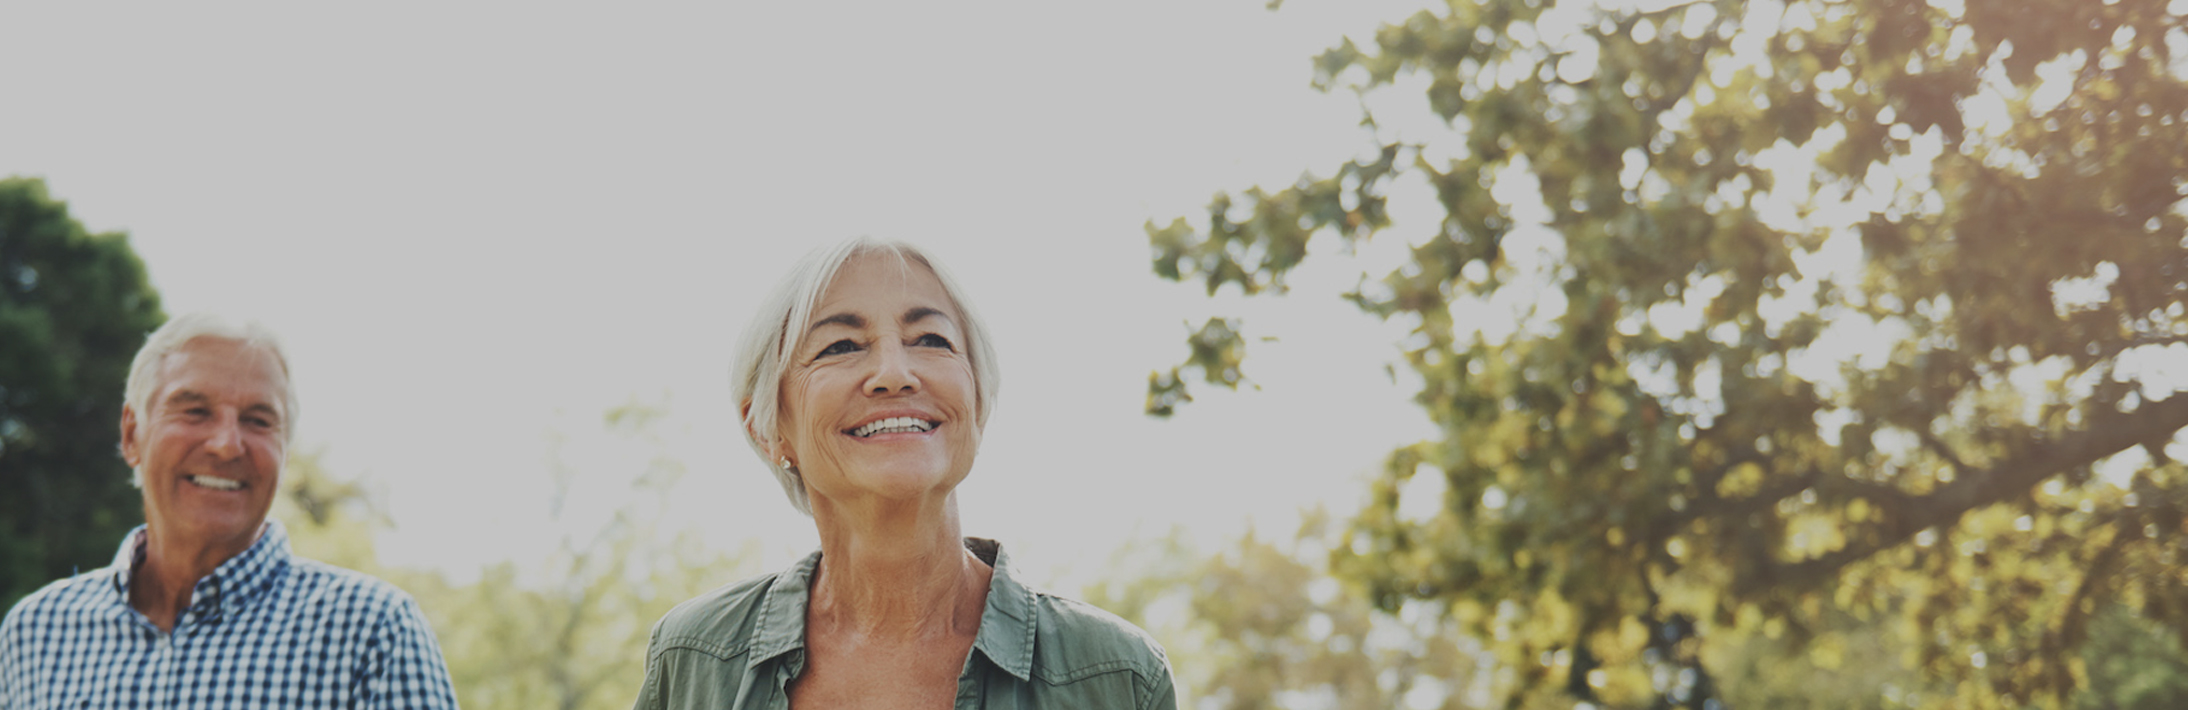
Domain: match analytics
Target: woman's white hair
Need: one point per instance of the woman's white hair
(764, 351)
(145, 372)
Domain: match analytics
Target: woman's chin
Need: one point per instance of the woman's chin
(901, 481)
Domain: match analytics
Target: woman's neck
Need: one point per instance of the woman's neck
(897, 572)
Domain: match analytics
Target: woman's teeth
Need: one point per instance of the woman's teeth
(893, 425)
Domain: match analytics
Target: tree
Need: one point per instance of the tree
(1674, 441)
(2133, 665)
(1261, 624)
(74, 308)
(568, 631)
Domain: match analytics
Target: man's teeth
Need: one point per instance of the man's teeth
(893, 425)
(216, 483)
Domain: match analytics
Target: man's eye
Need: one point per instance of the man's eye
(838, 348)
(934, 340)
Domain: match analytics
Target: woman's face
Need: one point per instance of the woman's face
(878, 400)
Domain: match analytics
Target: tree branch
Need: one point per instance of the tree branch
(2072, 624)
(2143, 341)
(2108, 433)
(1959, 468)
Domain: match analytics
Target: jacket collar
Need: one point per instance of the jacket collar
(1006, 626)
(232, 586)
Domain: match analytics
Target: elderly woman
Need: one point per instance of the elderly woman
(864, 383)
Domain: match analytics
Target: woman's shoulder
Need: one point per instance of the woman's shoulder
(1074, 639)
(720, 621)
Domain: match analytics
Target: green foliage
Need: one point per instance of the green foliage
(1261, 624)
(1846, 663)
(2133, 665)
(568, 631)
(74, 308)
(1621, 484)
(1217, 352)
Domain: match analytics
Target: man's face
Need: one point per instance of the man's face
(211, 444)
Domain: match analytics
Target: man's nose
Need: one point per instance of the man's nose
(226, 441)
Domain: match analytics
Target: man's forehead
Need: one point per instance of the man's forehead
(212, 365)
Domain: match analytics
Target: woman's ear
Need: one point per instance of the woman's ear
(773, 446)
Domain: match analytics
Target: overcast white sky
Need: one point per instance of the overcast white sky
(481, 227)
(478, 225)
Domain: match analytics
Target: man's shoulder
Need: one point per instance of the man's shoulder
(1075, 639)
(349, 588)
(719, 622)
(64, 597)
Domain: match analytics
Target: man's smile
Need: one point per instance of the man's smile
(215, 482)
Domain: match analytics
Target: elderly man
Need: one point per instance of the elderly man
(204, 607)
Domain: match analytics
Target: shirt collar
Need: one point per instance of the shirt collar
(232, 585)
(126, 560)
(781, 626)
(1006, 626)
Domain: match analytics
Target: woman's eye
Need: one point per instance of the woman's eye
(934, 340)
(838, 348)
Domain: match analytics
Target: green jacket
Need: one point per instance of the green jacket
(739, 647)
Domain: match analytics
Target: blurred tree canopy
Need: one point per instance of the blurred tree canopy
(1260, 624)
(1823, 310)
(567, 631)
(74, 308)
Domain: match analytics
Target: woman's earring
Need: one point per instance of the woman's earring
(786, 464)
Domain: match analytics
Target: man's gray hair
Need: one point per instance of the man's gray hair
(764, 351)
(145, 373)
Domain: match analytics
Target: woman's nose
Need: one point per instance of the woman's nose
(892, 370)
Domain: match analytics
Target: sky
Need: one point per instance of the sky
(479, 227)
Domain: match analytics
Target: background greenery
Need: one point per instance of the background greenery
(1638, 509)
(74, 307)
(1658, 487)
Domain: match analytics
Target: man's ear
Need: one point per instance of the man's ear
(130, 445)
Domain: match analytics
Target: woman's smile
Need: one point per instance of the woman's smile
(893, 425)
(882, 366)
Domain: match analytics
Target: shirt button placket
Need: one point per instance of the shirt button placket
(163, 654)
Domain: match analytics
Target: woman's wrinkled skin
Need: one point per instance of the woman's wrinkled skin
(897, 599)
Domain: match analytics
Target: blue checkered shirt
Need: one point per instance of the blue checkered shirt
(265, 630)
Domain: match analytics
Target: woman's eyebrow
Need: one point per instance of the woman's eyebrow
(847, 319)
(918, 313)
